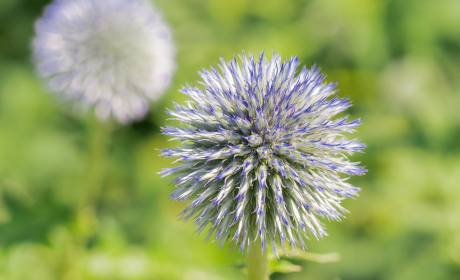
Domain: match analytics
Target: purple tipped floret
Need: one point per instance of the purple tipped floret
(262, 154)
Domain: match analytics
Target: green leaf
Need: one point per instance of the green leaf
(282, 266)
(299, 254)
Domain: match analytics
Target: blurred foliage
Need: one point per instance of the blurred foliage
(74, 205)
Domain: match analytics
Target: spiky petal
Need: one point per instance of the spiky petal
(261, 156)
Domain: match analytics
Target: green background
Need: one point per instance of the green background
(399, 62)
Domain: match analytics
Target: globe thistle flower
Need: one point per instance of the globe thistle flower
(261, 156)
(114, 55)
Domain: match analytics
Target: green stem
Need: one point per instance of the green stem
(97, 166)
(257, 262)
(96, 172)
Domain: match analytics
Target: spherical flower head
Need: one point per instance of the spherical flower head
(115, 55)
(261, 156)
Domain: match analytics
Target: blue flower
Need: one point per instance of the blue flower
(114, 55)
(261, 154)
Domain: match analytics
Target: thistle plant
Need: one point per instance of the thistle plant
(261, 156)
(112, 55)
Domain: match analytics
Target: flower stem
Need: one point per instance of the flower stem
(85, 224)
(98, 149)
(257, 262)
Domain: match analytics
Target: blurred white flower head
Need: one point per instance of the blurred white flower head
(115, 55)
